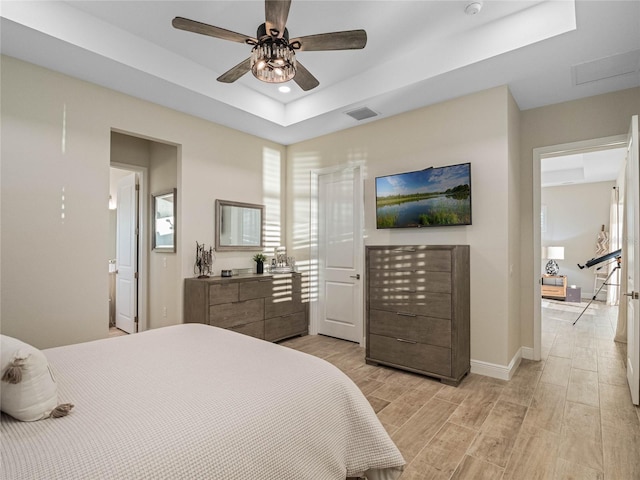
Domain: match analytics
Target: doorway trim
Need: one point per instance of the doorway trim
(595, 144)
(314, 236)
(143, 250)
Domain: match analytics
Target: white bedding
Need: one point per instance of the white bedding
(198, 402)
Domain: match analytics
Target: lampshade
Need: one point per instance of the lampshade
(555, 253)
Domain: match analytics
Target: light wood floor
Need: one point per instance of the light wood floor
(116, 332)
(568, 416)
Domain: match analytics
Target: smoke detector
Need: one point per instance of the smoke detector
(473, 8)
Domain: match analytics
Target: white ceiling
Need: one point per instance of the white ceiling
(586, 167)
(418, 53)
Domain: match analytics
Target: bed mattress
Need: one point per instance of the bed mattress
(195, 401)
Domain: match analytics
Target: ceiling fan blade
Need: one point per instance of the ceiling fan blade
(304, 79)
(347, 40)
(236, 72)
(205, 29)
(276, 13)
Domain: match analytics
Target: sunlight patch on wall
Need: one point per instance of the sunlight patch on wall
(64, 129)
(309, 270)
(272, 193)
(62, 215)
(304, 233)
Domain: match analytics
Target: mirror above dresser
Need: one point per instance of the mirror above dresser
(239, 226)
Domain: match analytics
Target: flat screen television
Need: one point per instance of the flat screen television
(433, 197)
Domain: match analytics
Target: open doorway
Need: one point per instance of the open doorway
(573, 187)
(155, 162)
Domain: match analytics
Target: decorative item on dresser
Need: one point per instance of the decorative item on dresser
(204, 261)
(265, 306)
(259, 258)
(418, 309)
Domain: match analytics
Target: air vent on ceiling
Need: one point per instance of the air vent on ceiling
(607, 67)
(362, 113)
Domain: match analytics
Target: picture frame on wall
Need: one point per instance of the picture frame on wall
(164, 221)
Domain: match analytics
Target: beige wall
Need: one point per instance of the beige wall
(129, 150)
(472, 129)
(161, 274)
(575, 215)
(164, 275)
(514, 267)
(56, 134)
(589, 118)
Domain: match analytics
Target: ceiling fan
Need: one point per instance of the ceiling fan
(273, 57)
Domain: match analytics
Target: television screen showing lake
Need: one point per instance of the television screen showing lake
(426, 198)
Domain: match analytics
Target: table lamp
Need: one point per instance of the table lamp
(553, 254)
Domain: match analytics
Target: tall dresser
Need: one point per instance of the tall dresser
(264, 306)
(417, 312)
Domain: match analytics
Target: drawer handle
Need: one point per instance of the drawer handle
(404, 249)
(402, 314)
(406, 341)
(265, 280)
(406, 290)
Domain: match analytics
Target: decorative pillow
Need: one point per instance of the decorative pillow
(28, 391)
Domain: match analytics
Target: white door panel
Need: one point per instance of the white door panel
(127, 254)
(632, 254)
(340, 308)
(340, 257)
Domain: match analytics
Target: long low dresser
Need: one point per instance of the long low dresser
(264, 306)
(417, 309)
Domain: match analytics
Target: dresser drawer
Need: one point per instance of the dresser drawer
(253, 329)
(296, 283)
(411, 280)
(283, 305)
(223, 293)
(436, 305)
(234, 314)
(418, 356)
(432, 331)
(552, 291)
(410, 258)
(282, 327)
(255, 289)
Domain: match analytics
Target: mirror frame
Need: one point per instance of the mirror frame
(226, 203)
(158, 196)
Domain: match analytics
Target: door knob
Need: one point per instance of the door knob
(633, 295)
(356, 276)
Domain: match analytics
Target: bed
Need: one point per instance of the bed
(197, 402)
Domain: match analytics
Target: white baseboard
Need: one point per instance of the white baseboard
(500, 371)
(527, 353)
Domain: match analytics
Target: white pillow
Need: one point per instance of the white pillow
(28, 391)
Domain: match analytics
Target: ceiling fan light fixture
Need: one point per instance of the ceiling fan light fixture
(273, 57)
(273, 61)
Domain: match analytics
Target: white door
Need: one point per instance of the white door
(632, 199)
(340, 255)
(127, 254)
